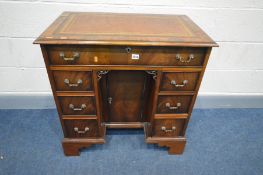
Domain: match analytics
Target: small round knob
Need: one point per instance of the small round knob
(79, 81)
(83, 106)
(66, 81)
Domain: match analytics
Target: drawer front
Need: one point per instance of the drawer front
(73, 80)
(159, 56)
(179, 81)
(173, 104)
(78, 105)
(81, 128)
(168, 127)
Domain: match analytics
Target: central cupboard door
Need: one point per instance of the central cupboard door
(126, 95)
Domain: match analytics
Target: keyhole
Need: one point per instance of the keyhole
(128, 49)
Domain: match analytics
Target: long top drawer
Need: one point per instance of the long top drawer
(118, 55)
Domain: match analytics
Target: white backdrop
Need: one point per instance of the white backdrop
(235, 68)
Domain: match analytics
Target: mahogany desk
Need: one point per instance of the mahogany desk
(124, 71)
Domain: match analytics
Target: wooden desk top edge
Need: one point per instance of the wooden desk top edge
(47, 37)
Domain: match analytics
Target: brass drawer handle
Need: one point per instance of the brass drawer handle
(86, 129)
(74, 58)
(83, 106)
(163, 128)
(66, 81)
(173, 82)
(168, 105)
(182, 60)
